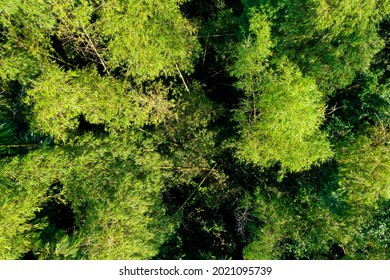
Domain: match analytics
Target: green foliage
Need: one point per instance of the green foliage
(298, 228)
(371, 98)
(76, 34)
(188, 141)
(303, 225)
(11, 143)
(23, 192)
(254, 52)
(194, 129)
(142, 40)
(219, 38)
(17, 207)
(60, 97)
(280, 121)
(309, 216)
(373, 238)
(280, 116)
(364, 167)
(113, 185)
(26, 27)
(330, 40)
(147, 39)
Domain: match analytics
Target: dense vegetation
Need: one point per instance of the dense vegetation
(194, 129)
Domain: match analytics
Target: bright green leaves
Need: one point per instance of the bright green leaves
(26, 27)
(254, 52)
(292, 229)
(146, 39)
(104, 80)
(143, 40)
(317, 48)
(76, 34)
(99, 64)
(348, 17)
(113, 186)
(364, 168)
(23, 193)
(17, 207)
(280, 116)
(279, 121)
(302, 218)
(331, 40)
(60, 97)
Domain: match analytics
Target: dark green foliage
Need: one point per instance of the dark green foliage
(12, 143)
(374, 238)
(310, 216)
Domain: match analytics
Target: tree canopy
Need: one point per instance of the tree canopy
(193, 129)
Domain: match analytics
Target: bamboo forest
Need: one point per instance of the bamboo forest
(194, 129)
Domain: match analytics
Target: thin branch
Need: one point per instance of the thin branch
(92, 45)
(218, 35)
(213, 75)
(186, 168)
(348, 88)
(205, 52)
(61, 60)
(225, 84)
(19, 146)
(333, 109)
(254, 105)
(182, 78)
